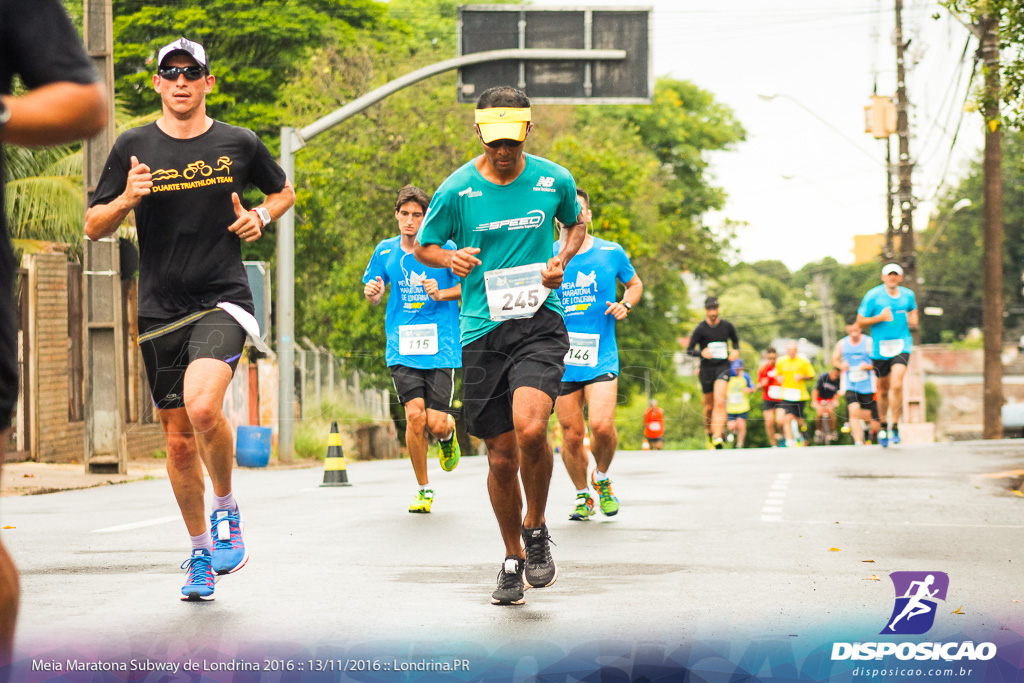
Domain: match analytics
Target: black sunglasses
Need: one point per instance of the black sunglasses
(498, 144)
(192, 73)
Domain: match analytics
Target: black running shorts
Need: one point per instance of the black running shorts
(768, 404)
(525, 352)
(883, 366)
(434, 385)
(168, 346)
(866, 401)
(794, 408)
(572, 387)
(711, 372)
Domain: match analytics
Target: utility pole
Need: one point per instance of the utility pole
(906, 231)
(992, 258)
(105, 388)
(890, 230)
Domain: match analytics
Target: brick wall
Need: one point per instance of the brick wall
(54, 438)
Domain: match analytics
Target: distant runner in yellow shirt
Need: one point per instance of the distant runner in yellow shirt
(794, 371)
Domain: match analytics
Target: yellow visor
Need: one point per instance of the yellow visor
(503, 123)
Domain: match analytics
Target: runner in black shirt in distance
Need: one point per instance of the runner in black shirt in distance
(183, 176)
(710, 342)
(64, 102)
(823, 400)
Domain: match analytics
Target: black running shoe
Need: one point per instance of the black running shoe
(510, 583)
(540, 568)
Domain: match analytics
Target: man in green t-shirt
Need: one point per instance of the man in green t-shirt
(499, 210)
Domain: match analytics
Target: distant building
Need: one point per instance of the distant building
(868, 248)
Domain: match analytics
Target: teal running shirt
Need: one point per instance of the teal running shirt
(512, 225)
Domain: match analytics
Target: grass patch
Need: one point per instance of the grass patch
(311, 433)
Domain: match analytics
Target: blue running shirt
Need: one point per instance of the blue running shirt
(856, 379)
(512, 225)
(411, 313)
(589, 282)
(889, 338)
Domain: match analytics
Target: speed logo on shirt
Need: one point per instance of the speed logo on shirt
(533, 219)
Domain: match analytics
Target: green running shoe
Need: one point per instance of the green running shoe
(584, 508)
(423, 500)
(450, 451)
(609, 503)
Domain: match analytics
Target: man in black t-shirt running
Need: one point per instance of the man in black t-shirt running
(824, 400)
(63, 102)
(183, 176)
(710, 342)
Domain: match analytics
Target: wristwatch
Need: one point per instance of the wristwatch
(628, 306)
(264, 216)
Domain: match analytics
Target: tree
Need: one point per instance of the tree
(254, 49)
(347, 181)
(951, 250)
(1009, 14)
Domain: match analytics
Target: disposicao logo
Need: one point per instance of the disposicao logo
(917, 599)
(916, 595)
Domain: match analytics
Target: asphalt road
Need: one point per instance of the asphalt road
(775, 544)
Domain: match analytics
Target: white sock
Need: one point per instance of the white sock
(425, 487)
(599, 475)
(583, 491)
(225, 502)
(203, 541)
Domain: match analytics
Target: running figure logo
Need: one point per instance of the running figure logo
(916, 595)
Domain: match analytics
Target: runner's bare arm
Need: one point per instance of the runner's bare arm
(103, 220)
(552, 274)
(912, 319)
(248, 225)
(55, 113)
(634, 288)
(461, 262)
(574, 236)
(438, 294)
(883, 317)
(837, 357)
(374, 290)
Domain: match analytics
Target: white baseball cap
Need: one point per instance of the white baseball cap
(184, 46)
(892, 268)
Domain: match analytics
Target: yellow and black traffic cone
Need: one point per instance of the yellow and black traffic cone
(335, 473)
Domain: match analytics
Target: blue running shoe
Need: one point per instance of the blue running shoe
(895, 436)
(199, 582)
(229, 553)
(883, 438)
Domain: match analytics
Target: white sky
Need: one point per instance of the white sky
(806, 188)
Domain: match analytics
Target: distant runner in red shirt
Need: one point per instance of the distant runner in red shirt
(654, 425)
(768, 380)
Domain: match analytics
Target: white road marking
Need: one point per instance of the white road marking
(772, 509)
(908, 524)
(137, 525)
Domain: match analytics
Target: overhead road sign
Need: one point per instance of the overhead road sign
(484, 28)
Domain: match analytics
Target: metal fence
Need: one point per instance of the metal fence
(321, 377)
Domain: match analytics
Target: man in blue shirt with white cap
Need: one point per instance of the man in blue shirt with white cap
(891, 312)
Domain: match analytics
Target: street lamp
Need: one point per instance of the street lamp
(768, 97)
